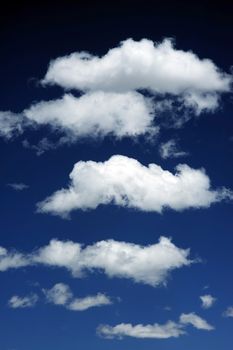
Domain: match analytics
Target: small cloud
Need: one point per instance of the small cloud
(196, 321)
(228, 312)
(61, 294)
(17, 302)
(207, 301)
(42, 146)
(170, 149)
(18, 186)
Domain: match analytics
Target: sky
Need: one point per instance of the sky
(116, 145)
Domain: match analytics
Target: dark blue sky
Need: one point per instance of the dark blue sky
(30, 37)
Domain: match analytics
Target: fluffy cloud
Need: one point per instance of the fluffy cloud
(207, 301)
(96, 114)
(228, 312)
(116, 90)
(143, 264)
(170, 149)
(60, 294)
(159, 68)
(196, 321)
(23, 302)
(155, 331)
(126, 182)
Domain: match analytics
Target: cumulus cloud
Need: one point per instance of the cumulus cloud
(207, 301)
(96, 114)
(196, 321)
(155, 331)
(124, 93)
(61, 294)
(170, 149)
(23, 302)
(18, 186)
(157, 67)
(125, 182)
(143, 264)
(228, 312)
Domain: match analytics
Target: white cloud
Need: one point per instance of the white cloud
(61, 294)
(116, 90)
(18, 186)
(144, 264)
(11, 124)
(207, 301)
(96, 114)
(125, 182)
(9, 260)
(155, 331)
(23, 302)
(228, 312)
(81, 304)
(196, 321)
(157, 67)
(170, 149)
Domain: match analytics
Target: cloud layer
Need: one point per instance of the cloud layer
(159, 68)
(143, 264)
(125, 182)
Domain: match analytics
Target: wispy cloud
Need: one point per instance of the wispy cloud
(228, 312)
(170, 149)
(18, 186)
(16, 301)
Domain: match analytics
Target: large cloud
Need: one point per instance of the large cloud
(144, 264)
(96, 114)
(116, 90)
(160, 68)
(126, 182)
